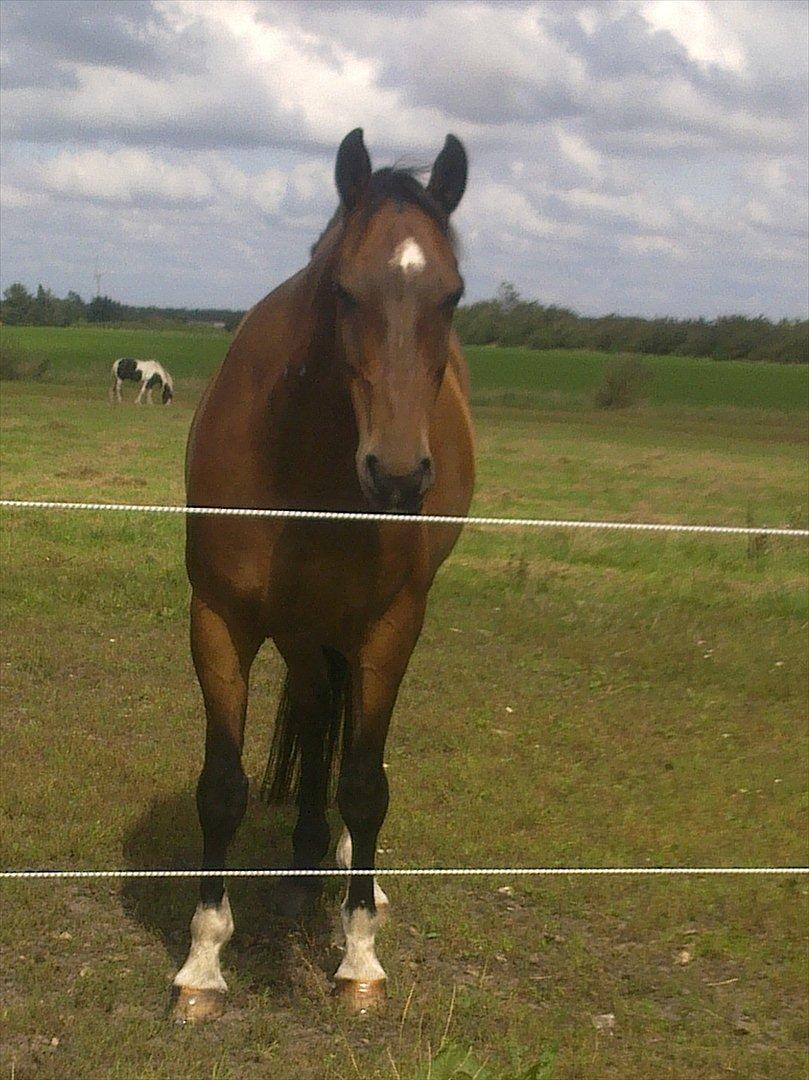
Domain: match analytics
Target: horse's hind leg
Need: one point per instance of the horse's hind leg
(223, 647)
(363, 795)
(308, 712)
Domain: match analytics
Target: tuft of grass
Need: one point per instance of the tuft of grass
(625, 379)
(455, 1062)
(17, 365)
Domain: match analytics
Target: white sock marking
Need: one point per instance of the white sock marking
(211, 928)
(360, 962)
(408, 256)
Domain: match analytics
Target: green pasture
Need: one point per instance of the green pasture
(575, 699)
(512, 377)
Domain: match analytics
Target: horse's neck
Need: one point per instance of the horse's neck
(325, 244)
(286, 331)
(287, 352)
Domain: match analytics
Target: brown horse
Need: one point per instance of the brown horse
(344, 389)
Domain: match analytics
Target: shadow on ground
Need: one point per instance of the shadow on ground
(267, 948)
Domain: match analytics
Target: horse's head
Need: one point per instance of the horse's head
(396, 284)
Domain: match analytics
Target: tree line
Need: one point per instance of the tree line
(507, 320)
(19, 307)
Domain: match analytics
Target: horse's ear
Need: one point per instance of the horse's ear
(353, 169)
(448, 178)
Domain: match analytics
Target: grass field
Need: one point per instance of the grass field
(574, 700)
(511, 377)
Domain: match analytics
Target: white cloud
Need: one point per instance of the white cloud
(123, 176)
(634, 208)
(643, 244)
(706, 39)
(579, 152)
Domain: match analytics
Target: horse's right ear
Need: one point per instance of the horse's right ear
(353, 169)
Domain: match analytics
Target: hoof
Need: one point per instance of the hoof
(360, 998)
(192, 1006)
(297, 896)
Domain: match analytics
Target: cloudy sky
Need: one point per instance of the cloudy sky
(641, 156)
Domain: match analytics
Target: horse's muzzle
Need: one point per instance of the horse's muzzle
(392, 494)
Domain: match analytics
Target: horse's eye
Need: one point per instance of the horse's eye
(344, 296)
(453, 299)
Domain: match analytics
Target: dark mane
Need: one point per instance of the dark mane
(402, 186)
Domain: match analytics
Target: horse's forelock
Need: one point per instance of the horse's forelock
(400, 184)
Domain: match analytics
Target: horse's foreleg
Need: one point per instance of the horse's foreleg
(343, 857)
(363, 795)
(139, 398)
(223, 649)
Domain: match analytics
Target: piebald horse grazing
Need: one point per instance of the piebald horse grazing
(344, 389)
(150, 375)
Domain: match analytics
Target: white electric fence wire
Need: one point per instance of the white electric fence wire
(506, 871)
(431, 519)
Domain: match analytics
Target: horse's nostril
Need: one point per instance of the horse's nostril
(402, 491)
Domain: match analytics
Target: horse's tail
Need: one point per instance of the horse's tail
(282, 774)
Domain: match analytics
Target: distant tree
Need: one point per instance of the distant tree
(17, 305)
(507, 296)
(44, 307)
(74, 307)
(102, 309)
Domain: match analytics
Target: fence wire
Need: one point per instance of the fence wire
(420, 519)
(420, 871)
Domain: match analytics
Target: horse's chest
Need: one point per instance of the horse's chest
(337, 584)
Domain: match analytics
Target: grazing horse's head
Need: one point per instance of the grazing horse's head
(396, 283)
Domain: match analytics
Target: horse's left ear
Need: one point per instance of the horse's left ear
(448, 178)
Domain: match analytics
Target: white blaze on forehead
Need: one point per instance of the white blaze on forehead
(408, 256)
